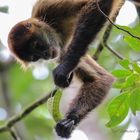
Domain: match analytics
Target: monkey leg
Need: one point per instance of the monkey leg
(90, 96)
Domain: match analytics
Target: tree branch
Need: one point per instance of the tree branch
(13, 134)
(98, 52)
(104, 40)
(134, 36)
(13, 120)
(103, 44)
(113, 51)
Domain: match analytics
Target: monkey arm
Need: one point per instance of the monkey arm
(90, 22)
(96, 83)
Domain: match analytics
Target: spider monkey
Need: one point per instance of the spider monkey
(62, 30)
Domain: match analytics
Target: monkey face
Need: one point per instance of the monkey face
(32, 40)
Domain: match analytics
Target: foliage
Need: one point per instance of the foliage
(128, 81)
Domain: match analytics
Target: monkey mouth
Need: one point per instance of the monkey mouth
(50, 54)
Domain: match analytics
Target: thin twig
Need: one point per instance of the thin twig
(106, 36)
(136, 37)
(13, 134)
(104, 40)
(113, 51)
(13, 120)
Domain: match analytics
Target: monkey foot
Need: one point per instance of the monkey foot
(65, 127)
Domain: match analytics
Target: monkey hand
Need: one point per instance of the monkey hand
(62, 78)
(64, 128)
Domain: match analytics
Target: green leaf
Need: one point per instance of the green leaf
(121, 73)
(136, 29)
(118, 109)
(117, 85)
(50, 104)
(133, 43)
(136, 67)
(130, 80)
(125, 63)
(135, 101)
(56, 113)
(53, 106)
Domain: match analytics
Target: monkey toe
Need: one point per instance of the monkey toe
(64, 128)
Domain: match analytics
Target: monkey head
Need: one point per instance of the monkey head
(31, 40)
